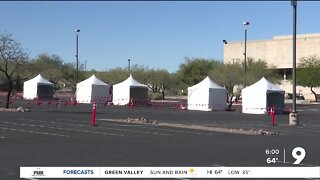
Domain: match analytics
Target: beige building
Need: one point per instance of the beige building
(277, 52)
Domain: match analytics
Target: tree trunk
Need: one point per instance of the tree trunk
(230, 100)
(9, 94)
(315, 94)
(163, 89)
(230, 89)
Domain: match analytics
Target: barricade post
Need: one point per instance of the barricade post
(58, 103)
(131, 105)
(94, 109)
(272, 114)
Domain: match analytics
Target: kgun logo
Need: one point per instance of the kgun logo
(38, 172)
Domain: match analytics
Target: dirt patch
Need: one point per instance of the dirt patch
(19, 109)
(194, 127)
(142, 120)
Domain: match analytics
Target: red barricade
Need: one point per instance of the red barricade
(93, 118)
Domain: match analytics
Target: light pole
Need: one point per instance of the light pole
(246, 24)
(77, 54)
(85, 65)
(129, 66)
(293, 117)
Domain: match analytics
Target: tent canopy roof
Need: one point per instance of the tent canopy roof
(264, 85)
(40, 80)
(206, 83)
(93, 80)
(130, 81)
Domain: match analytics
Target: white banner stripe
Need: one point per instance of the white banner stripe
(170, 172)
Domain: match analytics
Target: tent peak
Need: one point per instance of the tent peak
(40, 79)
(206, 83)
(92, 80)
(39, 76)
(93, 77)
(131, 82)
(264, 85)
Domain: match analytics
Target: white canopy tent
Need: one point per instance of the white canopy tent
(261, 95)
(207, 96)
(92, 89)
(130, 89)
(38, 87)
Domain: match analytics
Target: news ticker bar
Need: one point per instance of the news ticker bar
(169, 172)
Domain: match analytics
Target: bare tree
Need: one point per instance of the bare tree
(12, 61)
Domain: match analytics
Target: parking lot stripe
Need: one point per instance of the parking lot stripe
(177, 131)
(102, 127)
(36, 132)
(68, 129)
(105, 126)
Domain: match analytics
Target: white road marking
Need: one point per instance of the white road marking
(309, 109)
(101, 127)
(36, 132)
(135, 131)
(68, 129)
(178, 131)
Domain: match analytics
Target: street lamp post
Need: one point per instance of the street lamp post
(293, 117)
(77, 55)
(246, 24)
(129, 67)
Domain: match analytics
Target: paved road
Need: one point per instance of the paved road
(47, 137)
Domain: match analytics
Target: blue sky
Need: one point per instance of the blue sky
(157, 34)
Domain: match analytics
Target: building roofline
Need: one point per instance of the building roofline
(282, 37)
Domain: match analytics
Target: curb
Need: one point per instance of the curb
(198, 127)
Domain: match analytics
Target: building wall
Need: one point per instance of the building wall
(287, 87)
(276, 51)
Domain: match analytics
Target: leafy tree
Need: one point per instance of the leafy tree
(49, 67)
(115, 75)
(68, 75)
(55, 70)
(13, 60)
(176, 85)
(308, 73)
(158, 80)
(232, 73)
(195, 70)
(141, 73)
(256, 69)
(228, 75)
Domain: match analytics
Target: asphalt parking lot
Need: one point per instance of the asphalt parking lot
(49, 136)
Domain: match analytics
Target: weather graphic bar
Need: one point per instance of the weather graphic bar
(169, 172)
